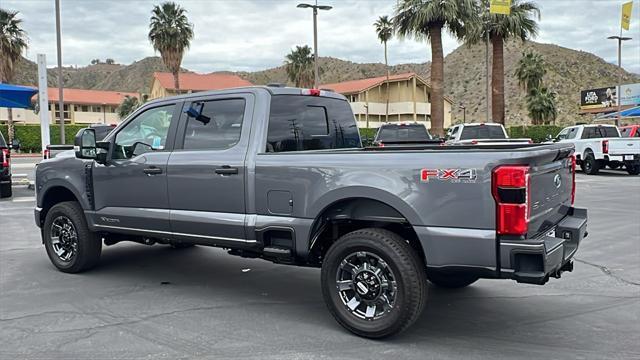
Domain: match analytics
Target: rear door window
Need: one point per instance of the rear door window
(299, 123)
(214, 125)
(482, 132)
(598, 132)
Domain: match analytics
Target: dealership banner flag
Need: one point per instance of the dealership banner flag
(500, 7)
(626, 14)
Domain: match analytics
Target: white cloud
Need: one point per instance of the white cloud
(254, 35)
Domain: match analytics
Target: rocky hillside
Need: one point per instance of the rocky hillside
(568, 71)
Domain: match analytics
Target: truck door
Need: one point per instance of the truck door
(130, 191)
(207, 172)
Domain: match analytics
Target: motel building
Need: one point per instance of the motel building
(409, 100)
(80, 107)
(162, 83)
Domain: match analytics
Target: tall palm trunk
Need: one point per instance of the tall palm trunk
(11, 129)
(176, 81)
(497, 80)
(437, 81)
(386, 64)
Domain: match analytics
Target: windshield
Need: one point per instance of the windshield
(403, 133)
(2, 143)
(482, 132)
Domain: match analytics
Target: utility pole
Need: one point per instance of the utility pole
(316, 76)
(620, 70)
(488, 30)
(60, 85)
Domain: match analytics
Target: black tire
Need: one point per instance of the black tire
(633, 169)
(451, 281)
(88, 245)
(614, 165)
(399, 261)
(5, 190)
(590, 165)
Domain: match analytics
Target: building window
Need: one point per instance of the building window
(85, 108)
(97, 108)
(65, 111)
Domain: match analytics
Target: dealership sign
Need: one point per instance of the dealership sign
(607, 97)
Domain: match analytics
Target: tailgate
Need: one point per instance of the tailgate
(624, 146)
(551, 186)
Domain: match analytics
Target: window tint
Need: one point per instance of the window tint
(147, 132)
(403, 133)
(564, 134)
(214, 125)
(625, 132)
(597, 132)
(482, 132)
(2, 143)
(310, 123)
(572, 133)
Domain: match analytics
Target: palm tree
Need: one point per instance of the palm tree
(384, 30)
(518, 24)
(541, 104)
(13, 41)
(128, 105)
(425, 19)
(299, 66)
(530, 70)
(170, 33)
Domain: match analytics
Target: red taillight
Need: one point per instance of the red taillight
(5, 158)
(46, 154)
(573, 179)
(605, 146)
(474, 142)
(311, 92)
(510, 188)
(380, 144)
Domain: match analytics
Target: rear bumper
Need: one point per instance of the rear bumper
(535, 260)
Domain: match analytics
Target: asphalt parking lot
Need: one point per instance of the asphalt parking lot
(156, 302)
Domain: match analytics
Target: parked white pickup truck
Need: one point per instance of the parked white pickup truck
(481, 134)
(601, 145)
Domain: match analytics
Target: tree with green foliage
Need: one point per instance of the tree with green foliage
(530, 70)
(13, 41)
(541, 104)
(425, 20)
(128, 105)
(170, 33)
(384, 30)
(299, 66)
(519, 24)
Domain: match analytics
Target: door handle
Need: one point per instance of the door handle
(226, 170)
(152, 170)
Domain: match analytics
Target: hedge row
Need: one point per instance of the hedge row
(29, 135)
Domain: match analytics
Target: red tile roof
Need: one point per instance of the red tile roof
(356, 86)
(201, 82)
(88, 97)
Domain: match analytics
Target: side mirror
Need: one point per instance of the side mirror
(15, 144)
(85, 144)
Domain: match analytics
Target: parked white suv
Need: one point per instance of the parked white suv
(601, 145)
(480, 134)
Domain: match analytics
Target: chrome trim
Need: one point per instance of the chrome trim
(176, 234)
(521, 245)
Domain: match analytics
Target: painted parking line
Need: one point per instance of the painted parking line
(24, 199)
(23, 166)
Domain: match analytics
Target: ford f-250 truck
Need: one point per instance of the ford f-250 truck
(280, 174)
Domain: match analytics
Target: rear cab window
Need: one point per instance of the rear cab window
(482, 132)
(403, 133)
(298, 123)
(598, 132)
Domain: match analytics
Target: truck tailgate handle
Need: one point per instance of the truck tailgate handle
(152, 170)
(226, 170)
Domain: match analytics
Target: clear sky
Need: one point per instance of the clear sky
(249, 35)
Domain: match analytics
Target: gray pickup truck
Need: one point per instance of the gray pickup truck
(280, 174)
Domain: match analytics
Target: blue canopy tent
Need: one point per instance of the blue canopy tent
(14, 96)
(634, 112)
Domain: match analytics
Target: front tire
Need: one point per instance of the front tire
(71, 247)
(373, 283)
(590, 165)
(451, 281)
(5, 190)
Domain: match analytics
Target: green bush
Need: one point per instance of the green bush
(537, 133)
(29, 135)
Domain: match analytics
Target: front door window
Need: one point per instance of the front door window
(147, 132)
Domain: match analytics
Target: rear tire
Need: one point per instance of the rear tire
(383, 297)
(451, 281)
(590, 165)
(614, 165)
(633, 169)
(71, 247)
(5, 190)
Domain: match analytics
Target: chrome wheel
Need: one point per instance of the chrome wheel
(64, 238)
(366, 285)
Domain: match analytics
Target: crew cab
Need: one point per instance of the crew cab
(481, 134)
(280, 174)
(600, 145)
(403, 134)
(5, 166)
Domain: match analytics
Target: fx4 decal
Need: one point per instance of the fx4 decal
(451, 175)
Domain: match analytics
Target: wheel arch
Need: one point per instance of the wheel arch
(56, 194)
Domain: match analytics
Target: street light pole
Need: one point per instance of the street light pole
(316, 76)
(104, 113)
(619, 91)
(464, 113)
(60, 85)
